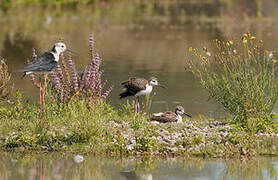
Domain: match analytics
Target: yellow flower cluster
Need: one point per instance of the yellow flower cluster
(229, 43)
(244, 40)
(246, 37)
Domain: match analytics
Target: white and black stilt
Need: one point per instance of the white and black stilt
(44, 63)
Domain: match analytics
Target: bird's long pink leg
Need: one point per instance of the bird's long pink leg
(40, 100)
(43, 96)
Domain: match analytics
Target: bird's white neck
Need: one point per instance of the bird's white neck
(146, 91)
(149, 88)
(179, 119)
(56, 55)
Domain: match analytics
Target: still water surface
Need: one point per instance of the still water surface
(14, 166)
(131, 43)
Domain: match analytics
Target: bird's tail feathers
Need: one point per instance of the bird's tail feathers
(20, 70)
(125, 94)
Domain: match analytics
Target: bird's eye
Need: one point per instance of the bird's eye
(62, 46)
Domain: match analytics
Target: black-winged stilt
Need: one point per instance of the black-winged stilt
(45, 63)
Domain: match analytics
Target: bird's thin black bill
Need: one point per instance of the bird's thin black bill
(187, 115)
(73, 52)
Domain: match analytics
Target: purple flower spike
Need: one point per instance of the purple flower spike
(56, 80)
(33, 80)
(92, 44)
(73, 73)
(65, 68)
(60, 73)
(107, 92)
(87, 76)
(34, 53)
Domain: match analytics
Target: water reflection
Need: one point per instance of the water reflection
(128, 175)
(17, 50)
(62, 166)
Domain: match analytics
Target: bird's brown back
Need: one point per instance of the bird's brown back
(135, 84)
(165, 117)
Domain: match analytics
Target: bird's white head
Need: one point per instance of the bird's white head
(153, 81)
(59, 47)
(179, 110)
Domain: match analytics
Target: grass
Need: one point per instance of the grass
(73, 124)
(95, 127)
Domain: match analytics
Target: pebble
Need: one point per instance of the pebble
(78, 158)
(187, 137)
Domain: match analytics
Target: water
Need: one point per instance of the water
(57, 166)
(133, 40)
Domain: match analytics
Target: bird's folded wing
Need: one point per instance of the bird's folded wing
(135, 84)
(44, 62)
(165, 117)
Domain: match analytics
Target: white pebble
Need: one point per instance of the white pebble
(78, 158)
(208, 53)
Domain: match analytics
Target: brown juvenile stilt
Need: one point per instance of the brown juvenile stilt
(138, 87)
(170, 116)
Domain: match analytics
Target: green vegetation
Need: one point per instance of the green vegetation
(76, 123)
(5, 84)
(95, 127)
(241, 76)
(78, 118)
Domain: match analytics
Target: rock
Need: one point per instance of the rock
(172, 149)
(78, 158)
(130, 147)
(154, 122)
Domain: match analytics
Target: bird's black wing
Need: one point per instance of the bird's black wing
(44, 62)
